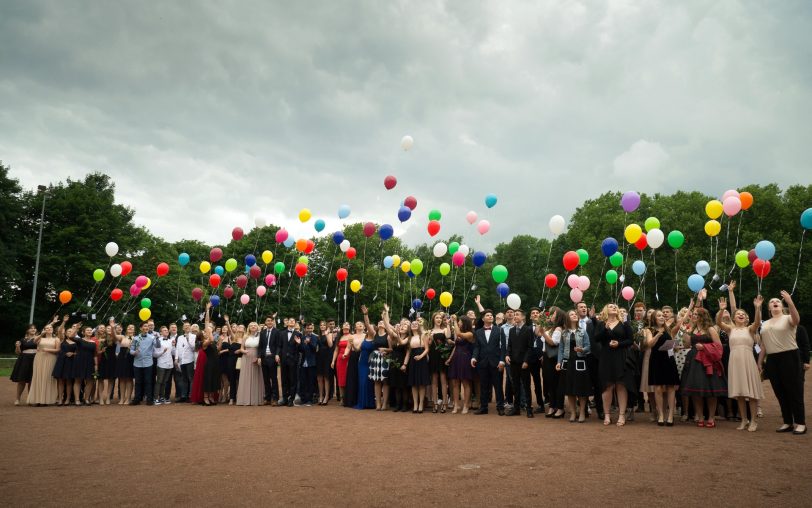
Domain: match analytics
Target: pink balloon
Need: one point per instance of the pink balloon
(572, 281)
(576, 295)
(281, 236)
(261, 291)
(627, 293)
(141, 281)
(471, 217)
(135, 290)
(583, 283)
(483, 227)
(732, 205)
(270, 279)
(244, 299)
(729, 193)
(458, 258)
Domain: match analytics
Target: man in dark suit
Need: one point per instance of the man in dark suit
(489, 360)
(536, 354)
(519, 345)
(268, 352)
(291, 347)
(586, 321)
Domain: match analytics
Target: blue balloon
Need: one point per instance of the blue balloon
(385, 232)
(410, 274)
(417, 304)
(219, 270)
(479, 258)
(696, 282)
(388, 262)
(702, 268)
(639, 268)
(319, 225)
(609, 246)
(215, 300)
(343, 211)
(183, 259)
(338, 237)
(289, 242)
(765, 250)
(490, 200)
(503, 290)
(250, 260)
(404, 213)
(806, 219)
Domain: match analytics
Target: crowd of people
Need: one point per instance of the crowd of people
(687, 366)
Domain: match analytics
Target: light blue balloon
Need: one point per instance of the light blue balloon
(702, 268)
(183, 259)
(343, 211)
(289, 243)
(806, 219)
(639, 267)
(490, 200)
(219, 270)
(319, 225)
(696, 282)
(388, 262)
(765, 250)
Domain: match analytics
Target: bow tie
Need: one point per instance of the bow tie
(487, 327)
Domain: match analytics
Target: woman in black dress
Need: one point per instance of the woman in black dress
(616, 338)
(441, 346)
(224, 352)
(67, 385)
(351, 390)
(237, 334)
(417, 364)
(662, 368)
(85, 365)
(211, 371)
(324, 358)
(696, 381)
(107, 364)
(571, 363)
(24, 366)
(124, 365)
(399, 339)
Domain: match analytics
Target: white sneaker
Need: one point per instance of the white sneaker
(166, 401)
(157, 402)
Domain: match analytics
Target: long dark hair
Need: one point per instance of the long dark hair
(465, 324)
(558, 318)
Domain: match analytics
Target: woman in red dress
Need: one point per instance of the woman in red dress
(196, 396)
(341, 358)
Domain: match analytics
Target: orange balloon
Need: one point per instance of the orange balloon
(301, 244)
(746, 199)
(65, 297)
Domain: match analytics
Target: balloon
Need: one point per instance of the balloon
(572, 281)
(453, 247)
(144, 314)
(471, 217)
(389, 182)
(458, 259)
(98, 274)
(445, 269)
(237, 234)
(404, 213)
(111, 249)
(479, 258)
(583, 256)
(242, 281)
(696, 282)
(301, 244)
(728, 193)
(557, 225)
(464, 249)
(126, 268)
(751, 255)
(260, 222)
(267, 257)
(228, 292)
(633, 233)
(116, 294)
(576, 295)
(483, 227)
(146, 303)
(305, 214)
(319, 225)
(712, 228)
(244, 299)
(341, 274)
(731, 206)
(490, 200)
(417, 304)
(433, 228)
(387, 262)
(446, 299)
(741, 259)
(304, 259)
(65, 296)
(338, 237)
(584, 283)
(611, 276)
(627, 293)
(676, 239)
(655, 238)
(702, 268)
(355, 286)
(395, 260)
(417, 266)
(300, 269)
(214, 300)
(215, 254)
(714, 209)
(219, 270)
(761, 267)
(205, 266)
(141, 281)
(430, 293)
(639, 268)
(162, 269)
(214, 280)
(231, 264)
(499, 273)
(343, 211)
(440, 249)
(270, 280)
(806, 219)
(652, 223)
(385, 232)
(616, 259)
(502, 289)
(571, 260)
(405, 266)
(344, 246)
(255, 272)
(641, 243)
(148, 284)
(115, 270)
(261, 290)
(550, 280)
(197, 294)
(406, 142)
(281, 236)
(183, 259)
(609, 246)
(369, 229)
(435, 214)
(410, 202)
(514, 301)
(250, 260)
(134, 290)
(630, 201)
(765, 250)
(351, 253)
(290, 242)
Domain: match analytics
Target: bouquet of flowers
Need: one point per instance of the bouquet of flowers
(393, 362)
(444, 348)
(545, 321)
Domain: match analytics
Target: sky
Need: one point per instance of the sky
(208, 115)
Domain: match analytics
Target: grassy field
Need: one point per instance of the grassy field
(6, 365)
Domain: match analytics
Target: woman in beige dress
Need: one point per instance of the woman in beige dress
(250, 389)
(43, 390)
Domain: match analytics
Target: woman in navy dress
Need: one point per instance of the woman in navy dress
(461, 372)
(366, 392)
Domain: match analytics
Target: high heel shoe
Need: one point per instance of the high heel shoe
(621, 421)
(607, 420)
(434, 409)
(442, 408)
(743, 424)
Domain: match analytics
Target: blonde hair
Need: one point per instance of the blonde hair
(604, 314)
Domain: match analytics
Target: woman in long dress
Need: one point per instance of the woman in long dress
(366, 391)
(399, 340)
(196, 394)
(700, 383)
(461, 372)
(44, 389)
(341, 359)
(211, 372)
(251, 388)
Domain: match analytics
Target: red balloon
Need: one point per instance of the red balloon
(761, 267)
(571, 260)
(228, 292)
(751, 256)
(389, 182)
(242, 281)
(197, 294)
(310, 246)
(430, 293)
(214, 280)
(369, 229)
(351, 253)
(410, 202)
(126, 267)
(215, 254)
(642, 243)
(301, 269)
(341, 274)
(255, 272)
(237, 233)
(162, 269)
(433, 227)
(551, 280)
(116, 294)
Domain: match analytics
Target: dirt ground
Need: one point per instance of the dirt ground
(332, 456)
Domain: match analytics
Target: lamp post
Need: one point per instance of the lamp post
(41, 189)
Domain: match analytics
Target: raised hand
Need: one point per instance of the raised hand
(758, 300)
(731, 285)
(364, 309)
(722, 303)
(786, 297)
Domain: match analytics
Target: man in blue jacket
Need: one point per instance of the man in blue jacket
(310, 345)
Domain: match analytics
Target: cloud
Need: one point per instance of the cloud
(642, 165)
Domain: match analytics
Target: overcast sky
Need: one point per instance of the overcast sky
(208, 114)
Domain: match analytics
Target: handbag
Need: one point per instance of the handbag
(239, 363)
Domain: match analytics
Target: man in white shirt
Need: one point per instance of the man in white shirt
(163, 354)
(184, 363)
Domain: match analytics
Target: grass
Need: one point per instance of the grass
(6, 364)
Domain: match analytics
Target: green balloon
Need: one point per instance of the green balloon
(583, 256)
(435, 215)
(741, 259)
(611, 276)
(453, 247)
(616, 259)
(652, 223)
(98, 274)
(231, 264)
(145, 303)
(416, 266)
(445, 269)
(499, 274)
(676, 239)
(279, 267)
(304, 260)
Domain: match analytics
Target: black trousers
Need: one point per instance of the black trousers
(521, 385)
(269, 369)
(785, 372)
(183, 380)
(490, 378)
(534, 368)
(143, 383)
(551, 377)
(308, 384)
(233, 383)
(508, 385)
(290, 374)
(592, 365)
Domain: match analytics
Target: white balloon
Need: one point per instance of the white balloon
(260, 222)
(514, 301)
(115, 270)
(440, 249)
(655, 238)
(464, 249)
(407, 142)
(557, 225)
(345, 246)
(111, 249)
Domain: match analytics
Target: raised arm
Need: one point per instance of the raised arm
(794, 317)
(369, 328)
(386, 324)
(731, 297)
(722, 307)
(757, 302)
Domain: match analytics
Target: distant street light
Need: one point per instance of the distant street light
(41, 189)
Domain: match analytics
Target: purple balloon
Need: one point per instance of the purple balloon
(630, 201)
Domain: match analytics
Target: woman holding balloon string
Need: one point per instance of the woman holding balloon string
(681, 331)
(398, 380)
(417, 365)
(439, 360)
(196, 394)
(124, 366)
(107, 363)
(617, 338)
(704, 377)
(211, 372)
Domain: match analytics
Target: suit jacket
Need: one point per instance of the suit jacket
(309, 350)
(266, 336)
(590, 331)
(489, 353)
(519, 344)
(537, 350)
(290, 349)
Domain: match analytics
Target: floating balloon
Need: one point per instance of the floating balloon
(219, 270)
(228, 292)
(514, 301)
(616, 259)
(343, 211)
(479, 258)
(609, 246)
(471, 217)
(305, 214)
(215, 254)
(453, 247)
(244, 299)
(197, 294)
(502, 289)
(572, 281)
(65, 297)
(351, 253)
(741, 259)
(341, 274)
(655, 238)
(261, 290)
(369, 229)
(550, 280)
(499, 273)
(250, 260)
(290, 242)
(404, 213)
(676, 239)
(576, 295)
(445, 269)
(583, 256)
(611, 276)
(98, 274)
(144, 314)
(639, 268)
(430, 293)
(642, 242)
(728, 193)
(702, 268)
(183, 259)
(304, 259)
(570, 260)
(712, 228)
(260, 222)
(633, 233)
(806, 219)
(242, 281)
(732, 205)
(405, 266)
(464, 249)
(446, 299)
(344, 246)
(584, 283)
(747, 200)
(433, 228)
(215, 300)
(385, 232)
(417, 304)
(319, 225)
(440, 249)
(205, 266)
(417, 266)
(458, 259)
(406, 142)
(355, 286)
(255, 272)
(696, 282)
(765, 250)
(162, 269)
(126, 268)
(389, 182)
(141, 281)
(714, 209)
(148, 284)
(387, 262)
(410, 202)
(237, 234)
(281, 236)
(214, 280)
(627, 293)
(270, 280)
(483, 227)
(490, 200)
(116, 294)
(395, 260)
(630, 201)
(111, 249)
(231, 264)
(301, 244)
(761, 268)
(135, 290)
(267, 257)
(300, 269)
(146, 303)
(652, 223)
(557, 225)
(435, 214)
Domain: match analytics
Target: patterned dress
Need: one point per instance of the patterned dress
(378, 366)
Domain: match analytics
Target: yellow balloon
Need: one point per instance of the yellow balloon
(405, 266)
(446, 299)
(633, 233)
(144, 314)
(355, 286)
(267, 257)
(714, 209)
(395, 260)
(304, 215)
(148, 284)
(205, 266)
(712, 228)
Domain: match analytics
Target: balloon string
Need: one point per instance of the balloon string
(564, 281)
(364, 261)
(636, 293)
(727, 241)
(656, 288)
(676, 282)
(740, 284)
(600, 281)
(798, 268)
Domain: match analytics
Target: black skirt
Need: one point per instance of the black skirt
(324, 358)
(351, 389)
(124, 364)
(576, 378)
(662, 368)
(397, 378)
(23, 368)
(614, 368)
(63, 369)
(211, 372)
(418, 370)
(107, 363)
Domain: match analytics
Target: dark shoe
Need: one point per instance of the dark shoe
(481, 411)
(601, 416)
(135, 403)
(513, 412)
(529, 412)
(539, 409)
(787, 429)
(500, 411)
(290, 403)
(549, 415)
(799, 433)
(150, 403)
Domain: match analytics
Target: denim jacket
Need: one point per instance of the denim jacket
(581, 339)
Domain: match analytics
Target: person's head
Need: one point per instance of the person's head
(776, 306)
(726, 317)
(465, 324)
(87, 332)
(683, 314)
(487, 317)
(186, 327)
(145, 327)
(48, 330)
(224, 331)
(610, 310)
(649, 312)
(740, 318)
(622, 313)
(290, 322)
(322, 327)
(331, 323)
(268, 321)
(701, 318)
(309, 328)
(195, 329)
(582, 310)
(30, 330)
(509, 316)
(240, 331)
(518, 317)
(173, 329)
(656, 319)
(233, 327)
(639, 311)
(499, 318)
(437, 319)
(296, 326)
(535, 312)
(151, 323)
(415, 328)
(101, 332)
(345, 328)
(118, 328)
(558, 317)
(668, 312)
(573, 320)
(471, 314)
(359, 327)
(164, 331)
(130, 330)
(253, 328)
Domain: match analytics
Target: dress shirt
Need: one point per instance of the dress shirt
(144, 345)
(185, 349)
(164, 352)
